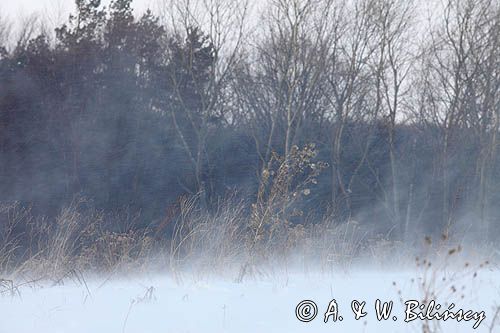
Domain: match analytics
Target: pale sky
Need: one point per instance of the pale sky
(53, 13)
(14, 8)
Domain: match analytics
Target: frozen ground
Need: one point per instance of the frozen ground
(162, 304)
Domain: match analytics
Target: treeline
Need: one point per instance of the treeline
(134, 112)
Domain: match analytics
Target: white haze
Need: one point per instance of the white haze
(266, 304)
(24, 7)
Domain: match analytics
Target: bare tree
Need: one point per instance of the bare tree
(348, 77)
(462, 84)
(223, 22)
(281, 88)
(393, 62)
(5, 31)
(27, 29)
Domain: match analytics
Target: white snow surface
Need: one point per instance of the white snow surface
(160, 303)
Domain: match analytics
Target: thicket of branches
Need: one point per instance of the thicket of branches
(135, 112)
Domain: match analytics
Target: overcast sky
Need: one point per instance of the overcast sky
(53, 12)
(14, 8)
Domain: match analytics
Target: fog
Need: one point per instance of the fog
(59, 7)
(207, 166)
(160, 303)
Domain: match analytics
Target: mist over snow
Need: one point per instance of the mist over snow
(214, 166)
(160, 303)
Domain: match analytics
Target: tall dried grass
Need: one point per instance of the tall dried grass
(240, 237)
(79, 239)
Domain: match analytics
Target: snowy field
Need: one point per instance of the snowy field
(266, 304)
